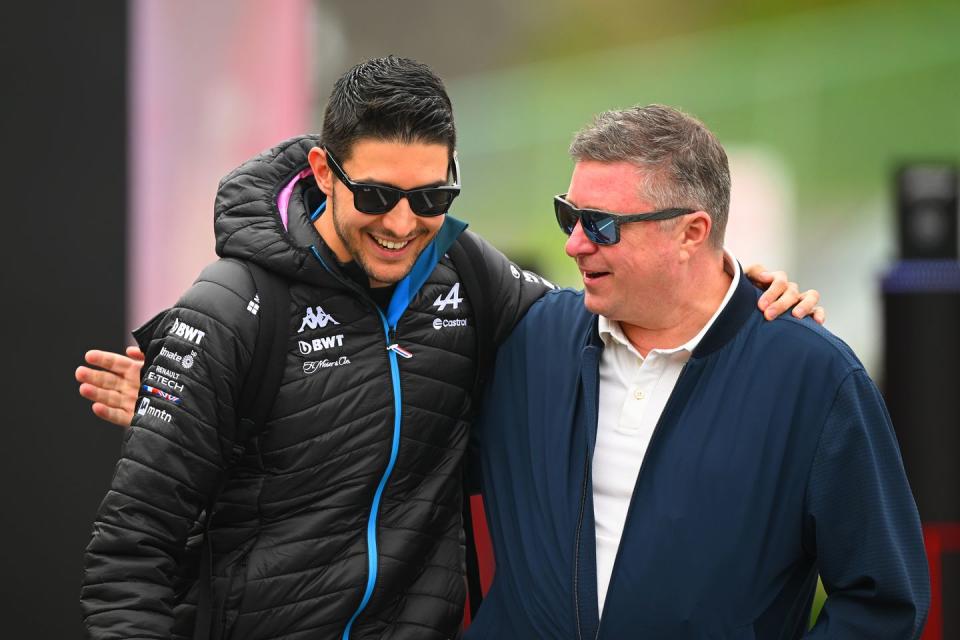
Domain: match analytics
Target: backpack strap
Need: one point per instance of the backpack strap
(269, 355)
(466, 255)
(271, 304)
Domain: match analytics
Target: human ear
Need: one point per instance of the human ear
(321, 171)
(695, 230)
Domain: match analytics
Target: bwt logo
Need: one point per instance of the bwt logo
(319, 344)
(316, 319)
(185, 331)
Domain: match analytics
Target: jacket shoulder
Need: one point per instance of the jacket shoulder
(223, 295)
(795, 338)
(559, 306)
(221, 286)
(558, 318)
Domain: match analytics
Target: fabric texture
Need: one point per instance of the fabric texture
(346, 511)
(773, 461)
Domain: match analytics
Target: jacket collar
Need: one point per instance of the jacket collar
(725, 327)
(728, 323)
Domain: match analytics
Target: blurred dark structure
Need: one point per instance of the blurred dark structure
(65, 175)
(921, 301)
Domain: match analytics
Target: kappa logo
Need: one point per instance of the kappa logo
(316, 319)
(185, 331)
(146, 410)
(453, 298)
(530, 276)
(319, 344)
(312, 366)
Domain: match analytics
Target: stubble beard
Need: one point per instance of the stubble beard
(357, 255)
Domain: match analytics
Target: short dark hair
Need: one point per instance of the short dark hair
(682, 162)
(392, 99)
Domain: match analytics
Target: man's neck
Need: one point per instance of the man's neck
(694, 301)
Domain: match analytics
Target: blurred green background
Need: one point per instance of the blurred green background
(839, 93)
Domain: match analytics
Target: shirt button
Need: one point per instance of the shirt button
(638, 394)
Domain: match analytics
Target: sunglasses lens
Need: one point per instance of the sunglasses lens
(599, 227)
(431, 202)
(373, 199)
(566, 216)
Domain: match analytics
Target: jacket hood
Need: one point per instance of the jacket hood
(247, 213)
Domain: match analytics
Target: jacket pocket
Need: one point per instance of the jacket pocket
(230, 585)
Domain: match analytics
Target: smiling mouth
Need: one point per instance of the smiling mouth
(593, 275)
(390, 245)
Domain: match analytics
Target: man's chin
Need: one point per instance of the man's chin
(385, 275)
(593, 304)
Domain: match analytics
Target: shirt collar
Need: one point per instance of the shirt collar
(612, 333)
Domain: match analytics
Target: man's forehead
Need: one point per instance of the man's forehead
(609, 186)
(399, 164)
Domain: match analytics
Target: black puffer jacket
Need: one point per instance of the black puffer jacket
(345, 514)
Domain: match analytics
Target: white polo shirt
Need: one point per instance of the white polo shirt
(633, 393)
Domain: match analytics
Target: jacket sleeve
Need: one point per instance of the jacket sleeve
(172, 459)
(862, 523)
(512, 289)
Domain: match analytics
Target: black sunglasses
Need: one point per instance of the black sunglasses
(377, 199)
(603, 227)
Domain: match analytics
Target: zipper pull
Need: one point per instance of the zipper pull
(400, 351)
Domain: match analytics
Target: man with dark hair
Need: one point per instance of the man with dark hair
(657, 461)
(342, 518)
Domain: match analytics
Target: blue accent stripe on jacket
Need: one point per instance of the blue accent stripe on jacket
(405, 291)
(375, 508)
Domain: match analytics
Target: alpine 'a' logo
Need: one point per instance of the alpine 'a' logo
(316, 319)
(453, 298)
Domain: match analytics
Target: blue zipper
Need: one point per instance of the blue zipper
(402, 296)
(372, 556)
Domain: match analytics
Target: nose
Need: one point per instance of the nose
(579, 244)
(400, 221)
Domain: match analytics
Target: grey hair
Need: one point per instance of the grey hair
(681, 163)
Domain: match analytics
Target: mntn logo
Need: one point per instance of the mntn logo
(146, 410)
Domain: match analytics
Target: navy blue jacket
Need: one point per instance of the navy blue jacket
(774, 460)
